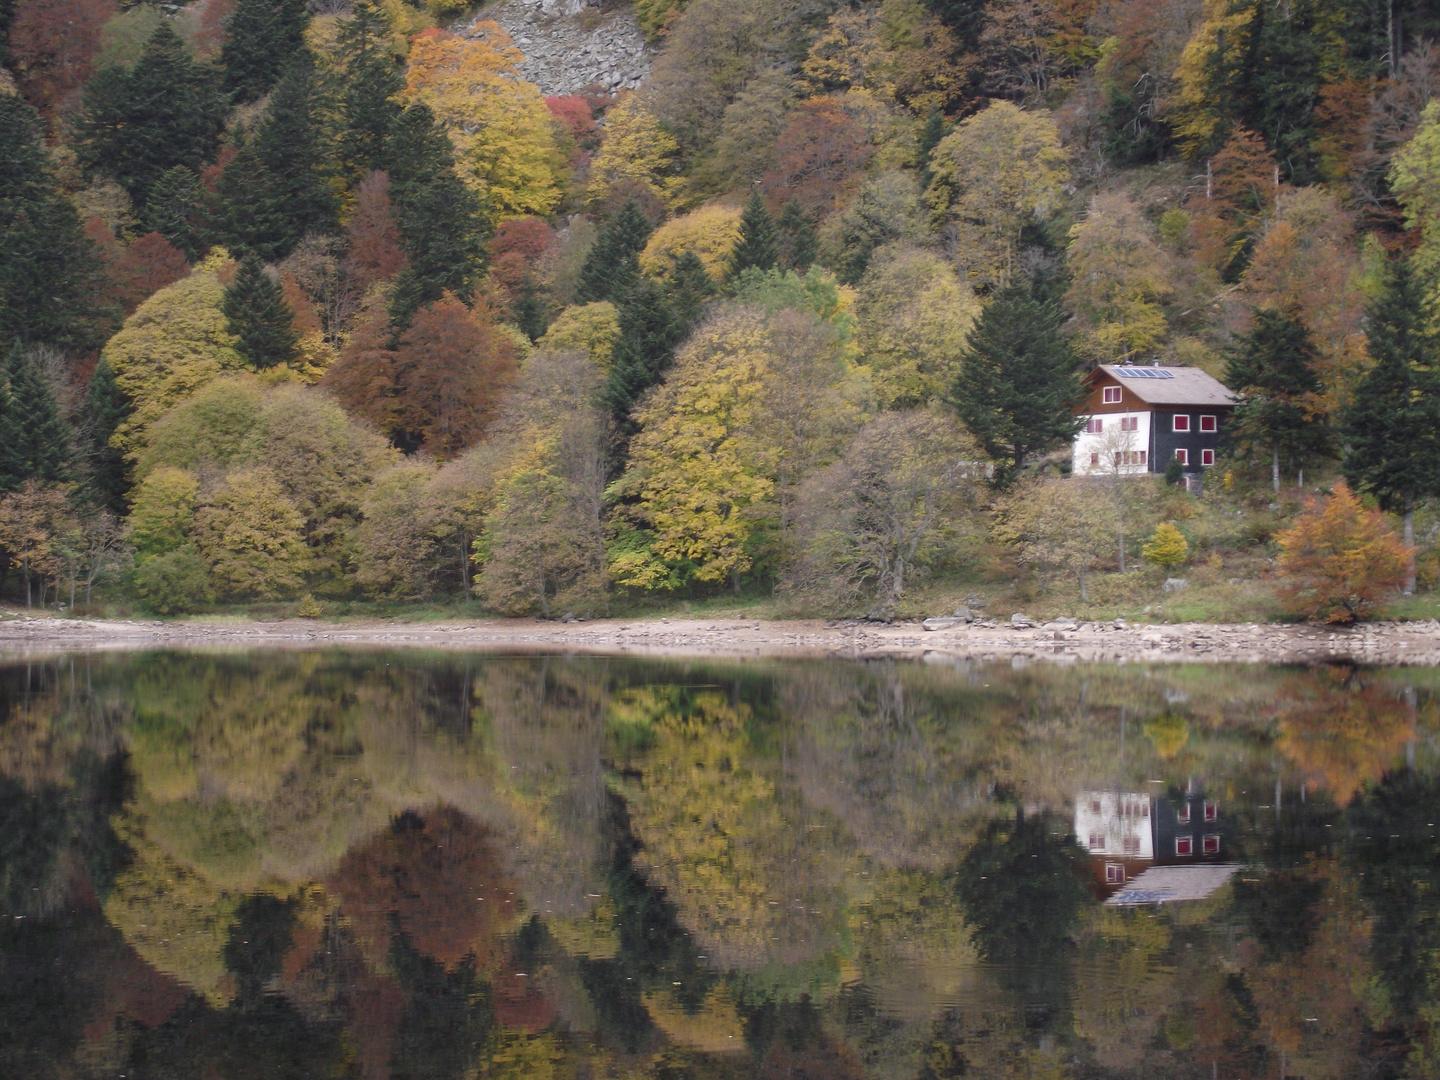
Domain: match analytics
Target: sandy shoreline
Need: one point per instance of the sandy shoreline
(1413, 643)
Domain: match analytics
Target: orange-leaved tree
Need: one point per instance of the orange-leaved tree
(1339, 559)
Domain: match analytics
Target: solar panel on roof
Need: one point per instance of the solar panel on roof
(1144, 373)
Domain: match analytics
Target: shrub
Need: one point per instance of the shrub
(174, 583)
(1339, 559)
(1167, 547)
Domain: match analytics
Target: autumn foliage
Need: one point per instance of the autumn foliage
(1340, 560)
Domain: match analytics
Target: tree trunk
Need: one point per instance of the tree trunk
(735, 579)
(1410, 543)
(1121, 533)
(1080, 577)
(1275, 466)
(899, 587)
(25, 568)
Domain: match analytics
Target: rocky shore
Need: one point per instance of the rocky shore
(1064, 642)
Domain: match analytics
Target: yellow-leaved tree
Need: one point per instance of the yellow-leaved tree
(636, 149)
(1120, 281)
(998, 170)
(1415, 179)
(504, 136)
(592, 328)
(172, 345)
(710, 232)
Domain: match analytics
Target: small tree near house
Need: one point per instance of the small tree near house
(1167, 547)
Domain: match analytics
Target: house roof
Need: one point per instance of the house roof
(1171, 385)
(1162, 883)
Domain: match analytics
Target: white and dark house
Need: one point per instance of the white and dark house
(1138, 418)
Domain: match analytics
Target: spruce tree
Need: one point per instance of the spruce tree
(136, 125)
(370, 86)
(1273, 369)
(171, 209)
(758, 247)
(688, 288)
(47, 266)
(277, 188)
(257, 314)
(443, 228)
(612, 266)
(966, 18)
(649, 335)
(796, 237)
(261, 37)
(1392, 426)
(1018, 383)
(930, 136)
(104, 409)
(37, 438)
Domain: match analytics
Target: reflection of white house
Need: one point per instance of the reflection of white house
(1114, 823)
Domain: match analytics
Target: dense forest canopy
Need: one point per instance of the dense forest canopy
(328, 300)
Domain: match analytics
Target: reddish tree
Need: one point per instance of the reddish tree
(364, 378)
(210, 27)
(516, 248)
(372, 239)
(576, 118)
(134, 273)
(452, 368)
(422, 877)
(307, 319)
(819, 155)
(53, 45)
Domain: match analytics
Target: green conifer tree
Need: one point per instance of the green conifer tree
(758, 246)
(934, 130)
(649, 335)
(171, 209)
(688, 288)
(1273, 369)
(104, 409)
(443, 227)
(1018, 383)
(1392, 426)
(37, 439)
(796, 237)
(260, 39)
(369, 94)
(47, 266)
(256, 313)
(277, 188)
(612, 266)
(136, 125)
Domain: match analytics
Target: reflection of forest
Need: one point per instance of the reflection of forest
(367, 865)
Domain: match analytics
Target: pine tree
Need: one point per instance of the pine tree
(260, 39)
(48, 268)
(689, 288)
(1018, 382)
(612, 266)
(37, 438)
(796, 237)
(1392, 427)
(171, 208)
(277, 188)
(370, 86)
(649, 334)
(758, 246)
(136, 125)
(104, 409)
(256, 313)
(1273, 369)
(934, 130)
(443, 229)
(965, 17)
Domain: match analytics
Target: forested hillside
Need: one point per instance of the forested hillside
(320, 302)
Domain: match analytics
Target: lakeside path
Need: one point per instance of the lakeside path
(1413, 643)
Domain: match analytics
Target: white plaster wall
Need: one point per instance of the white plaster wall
(1122, 814)
(1107, 442)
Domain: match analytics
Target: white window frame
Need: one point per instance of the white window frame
(1207, 458)
(1114, 873)
(1210, 844)
(1187, 840)
(1095, 425)
(1112, 395)
(1182, 455)
(1177, 420)
(1214, 426)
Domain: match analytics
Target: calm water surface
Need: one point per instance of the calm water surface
(374, 865)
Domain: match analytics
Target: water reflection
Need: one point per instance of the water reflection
(367, 865)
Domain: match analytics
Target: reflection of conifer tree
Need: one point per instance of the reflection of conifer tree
(258, 941)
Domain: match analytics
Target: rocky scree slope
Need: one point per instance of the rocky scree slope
(562, 56)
